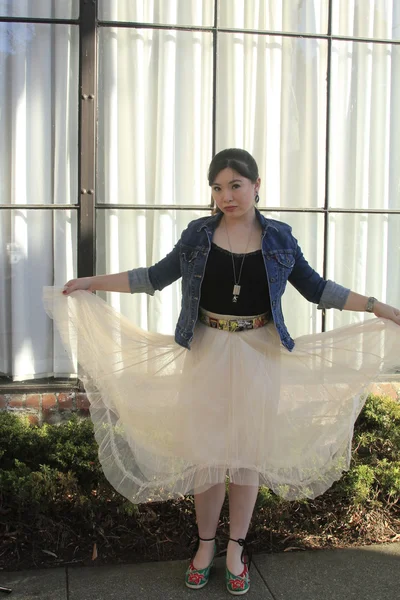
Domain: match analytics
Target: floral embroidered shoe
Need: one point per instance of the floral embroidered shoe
(237, 585)
(198, 578)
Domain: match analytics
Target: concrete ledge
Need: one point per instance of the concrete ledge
(43, 584)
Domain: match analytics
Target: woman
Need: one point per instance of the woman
(245, 400)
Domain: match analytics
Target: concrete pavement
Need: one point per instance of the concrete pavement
(363, 573)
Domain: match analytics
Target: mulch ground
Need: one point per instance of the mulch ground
(165, 531)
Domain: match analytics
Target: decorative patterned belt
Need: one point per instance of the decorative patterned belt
(234, 323)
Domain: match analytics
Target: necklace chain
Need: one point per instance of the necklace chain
(236, 287)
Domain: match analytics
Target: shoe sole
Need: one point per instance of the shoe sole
(195, 587)
(238, 593)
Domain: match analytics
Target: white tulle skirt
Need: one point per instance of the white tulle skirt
(170, 421)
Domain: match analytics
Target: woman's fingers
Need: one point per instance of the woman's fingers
(69, 287)
(388, 312)
(396, 317)
(82, 283)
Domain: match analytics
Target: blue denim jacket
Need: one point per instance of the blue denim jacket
(283, 259)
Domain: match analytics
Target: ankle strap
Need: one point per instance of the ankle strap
(195, 539)
(245, 550)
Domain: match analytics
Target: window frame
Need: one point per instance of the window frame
(87, 205)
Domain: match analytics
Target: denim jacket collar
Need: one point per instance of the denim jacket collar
(212, 222)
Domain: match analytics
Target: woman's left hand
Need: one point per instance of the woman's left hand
(387, 312)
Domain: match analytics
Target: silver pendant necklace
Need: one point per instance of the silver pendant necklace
(236, 286)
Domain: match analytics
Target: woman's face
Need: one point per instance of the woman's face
(234, 194)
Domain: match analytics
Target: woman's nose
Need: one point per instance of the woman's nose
(227, 196)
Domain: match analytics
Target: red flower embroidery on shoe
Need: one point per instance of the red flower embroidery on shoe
(196, 578)
(237, 584)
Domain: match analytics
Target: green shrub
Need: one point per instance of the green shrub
(43, 469)
(359, 484)
(267, 499)
(378, 428)
(387, 475)
(55, 502)
(67, 447)
(41, 466)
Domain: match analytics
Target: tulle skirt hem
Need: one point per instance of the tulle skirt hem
(169, 421)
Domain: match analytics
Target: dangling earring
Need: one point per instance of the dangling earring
(257, 198)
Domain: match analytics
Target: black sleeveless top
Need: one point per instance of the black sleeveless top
(218, 282)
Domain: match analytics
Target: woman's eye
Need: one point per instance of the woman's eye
(235, 186)
(216, 189)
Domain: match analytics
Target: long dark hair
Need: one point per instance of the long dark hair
(237, 159)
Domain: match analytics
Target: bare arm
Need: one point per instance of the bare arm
(358, 302)
(118, 282)
(137, 280)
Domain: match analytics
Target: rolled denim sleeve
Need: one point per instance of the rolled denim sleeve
(167, 270)
(158, 276)
(333, 296)
(139, 281)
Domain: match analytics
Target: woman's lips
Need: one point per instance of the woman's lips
(230, 208)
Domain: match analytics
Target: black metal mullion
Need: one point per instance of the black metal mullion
(299, 209)
(327, 157)
(139, 25)
(87, 137)
(103, 206)
(265, 32)
(39, 21)
(364, 40)
(214, 75)
(38, 206)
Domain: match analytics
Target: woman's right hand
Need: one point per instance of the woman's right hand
(83, 283)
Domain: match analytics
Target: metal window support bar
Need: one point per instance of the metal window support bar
(17, 207)
(261, 208)
(87, 137)
(201, 207)
(327, 145)
(205, 207)
(205, 29)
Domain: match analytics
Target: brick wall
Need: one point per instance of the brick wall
(391, 389)
(55, 407)
(52, 407)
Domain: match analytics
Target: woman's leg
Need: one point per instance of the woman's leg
(208, 506)
(242, 499)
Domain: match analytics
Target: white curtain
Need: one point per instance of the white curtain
(155, 131)
(38, 165)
